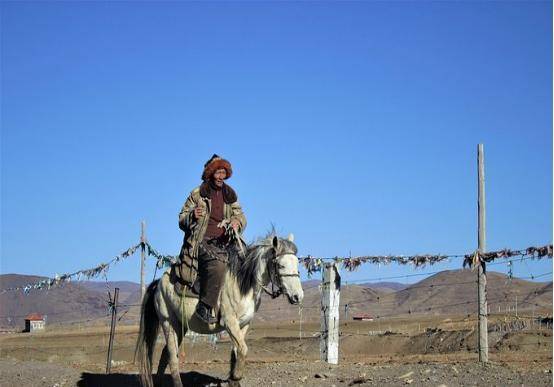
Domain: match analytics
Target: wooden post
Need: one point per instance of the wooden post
(112, 331)
(142, 258)
(300, 313)
(345, 305)
(481, 270)
(330, 298)
(346, 312)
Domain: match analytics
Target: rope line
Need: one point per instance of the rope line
(312, 264)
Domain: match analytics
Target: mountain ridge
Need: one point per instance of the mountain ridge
(447, 292)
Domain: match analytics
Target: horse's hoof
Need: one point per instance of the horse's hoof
(233, 383)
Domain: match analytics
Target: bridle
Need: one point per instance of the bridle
(275, 277)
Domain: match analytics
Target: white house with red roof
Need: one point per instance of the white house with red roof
(34, 322)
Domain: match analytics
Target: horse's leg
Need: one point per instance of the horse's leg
(172, 339)
(164, 359)
(238, 354)
(237, 369)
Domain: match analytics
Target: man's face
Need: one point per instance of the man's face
(219, 176)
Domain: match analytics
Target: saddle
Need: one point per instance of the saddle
(181, 287)
(184, 276)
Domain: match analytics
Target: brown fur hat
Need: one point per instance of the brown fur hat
(213, 165)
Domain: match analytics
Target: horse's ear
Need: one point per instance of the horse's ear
(275, 242)
(290, 237)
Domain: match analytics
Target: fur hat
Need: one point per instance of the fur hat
(213, 165)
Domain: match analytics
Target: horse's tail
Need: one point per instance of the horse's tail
(148, 333)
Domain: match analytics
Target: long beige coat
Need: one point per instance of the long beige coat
(195, 229)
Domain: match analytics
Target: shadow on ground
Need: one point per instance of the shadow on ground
(131, 380)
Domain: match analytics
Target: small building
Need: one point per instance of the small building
(362, 317)
(34, 322)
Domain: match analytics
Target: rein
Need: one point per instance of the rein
(275, 278)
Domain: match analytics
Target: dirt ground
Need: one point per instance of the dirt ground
(400, 353)
(425, 372)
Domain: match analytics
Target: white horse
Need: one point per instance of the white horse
(271, 260)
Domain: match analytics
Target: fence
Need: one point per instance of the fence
(393, 315)
(437, 325)
(393, 319)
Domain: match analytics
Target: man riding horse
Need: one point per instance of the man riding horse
(229, 295)
(213, 221)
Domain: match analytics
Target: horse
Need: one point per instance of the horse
(270, 260)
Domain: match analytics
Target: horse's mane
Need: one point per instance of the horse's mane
(246, 269)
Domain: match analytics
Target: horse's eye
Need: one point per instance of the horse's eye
(281, 266)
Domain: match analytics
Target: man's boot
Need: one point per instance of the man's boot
(204, 313)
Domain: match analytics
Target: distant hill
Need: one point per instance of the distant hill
(310, 283)
(127, 289)
(447, 292)
(60, 304)
(387, 287)
(134, 298)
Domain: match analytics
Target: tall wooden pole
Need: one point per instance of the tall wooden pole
(142, 257)
(481, 271)
(112, 331)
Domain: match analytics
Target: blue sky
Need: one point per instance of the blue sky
(352, 125)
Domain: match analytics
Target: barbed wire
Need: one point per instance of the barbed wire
(349, 264)
(129, 305)
(533, 252)
(428, 273)
(314, 264)
(377, 298)
(57, 280)
(370, 299)
(47, 314)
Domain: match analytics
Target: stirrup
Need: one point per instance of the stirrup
(204, 313)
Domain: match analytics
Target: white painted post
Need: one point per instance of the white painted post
(330, 299)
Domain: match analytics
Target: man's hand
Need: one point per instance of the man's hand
(198, 212)
(235, 225)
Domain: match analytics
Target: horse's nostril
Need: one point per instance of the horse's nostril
(295, 298)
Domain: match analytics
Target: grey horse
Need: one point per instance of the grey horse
(270, 260)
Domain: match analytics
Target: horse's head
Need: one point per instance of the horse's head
(284, 269)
